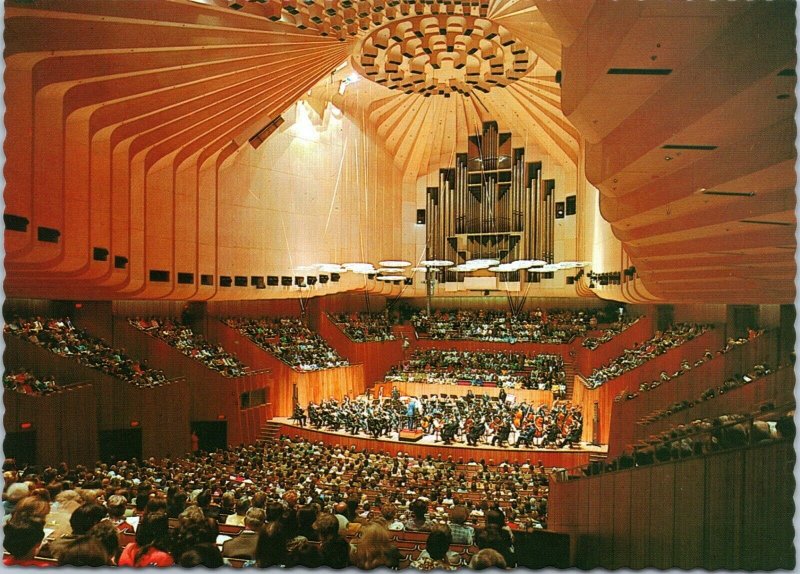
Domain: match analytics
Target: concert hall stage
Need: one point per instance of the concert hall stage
(561, 458)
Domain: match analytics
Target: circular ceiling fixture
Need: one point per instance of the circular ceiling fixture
(443, 54)
(394, 263)
(331, 268)
(549, 268)
(391, 271)
(482, 263)
(361, 268)
(436, 263)
(504, 268)
(390, 277)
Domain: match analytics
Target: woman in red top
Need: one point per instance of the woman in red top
(152, 543)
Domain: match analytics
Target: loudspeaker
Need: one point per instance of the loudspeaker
(258, 282)
(186, 278)
(335, 277)
(420, 217)
(225, 281)
(158, 276)
(559, 210)
(408, 281)
(272, 280)
(120, 262)
(571, 205)
(48, 234)
(370, 276)
(265, 132)
(311, 280)
(240, 281)
(286, 281)
(15, 222)
(300, 281)
(323, 279)
(100, 254)
(570, 280)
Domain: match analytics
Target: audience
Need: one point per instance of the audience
(61, 337)
(375, 549)
(194, 346)
(639, 354)
(435, 556)
(705, 436)
(363, 327)
(23, 381)
(608, 333)
(502, 369)
(554, 326)
(152, 543)
(290, 340)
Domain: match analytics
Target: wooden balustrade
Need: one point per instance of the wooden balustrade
(729, 510)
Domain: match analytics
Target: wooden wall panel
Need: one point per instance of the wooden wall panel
(65, 423)
(622, 511)
(596, 529)
(606, 506)
(549, 458)
(375, 356)
(688, 502)
(639, 524)
(765, 510)
(605, 394)
(662, 516)
(162, 412)
(723, 511)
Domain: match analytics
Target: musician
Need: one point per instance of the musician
(470, 396)
(502, 434)
(475, 432)
(411, 413)
(395, 393)
(526, 434)
(502, 396)
(299, 415)
(450, 430)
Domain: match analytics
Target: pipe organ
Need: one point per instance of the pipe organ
(491, 204)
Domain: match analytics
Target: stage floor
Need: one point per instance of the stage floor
(429, 441)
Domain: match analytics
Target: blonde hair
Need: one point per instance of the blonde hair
(374, 548)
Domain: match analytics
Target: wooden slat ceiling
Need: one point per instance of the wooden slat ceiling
(691, 142)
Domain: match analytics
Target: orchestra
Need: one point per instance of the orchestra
(450, 419)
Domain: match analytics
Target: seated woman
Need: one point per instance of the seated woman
(152, 543)
(435, 556)
(375, 549)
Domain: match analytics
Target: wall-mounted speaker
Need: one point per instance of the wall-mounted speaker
(272, 280)
(335, 277)
(420, 217)
(15, 222)
(323, 279)
(286, 281)
(311, 280)
(100, 254)
(47, 234)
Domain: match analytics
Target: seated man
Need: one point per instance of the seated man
(244, 545)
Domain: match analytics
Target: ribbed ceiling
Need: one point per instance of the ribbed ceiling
(684, 111)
